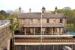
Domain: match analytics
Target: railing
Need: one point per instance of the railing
(23, 40)
(51, 36)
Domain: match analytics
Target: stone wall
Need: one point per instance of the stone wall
(5, 36)
(37, 21)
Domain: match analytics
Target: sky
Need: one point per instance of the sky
(35, 5)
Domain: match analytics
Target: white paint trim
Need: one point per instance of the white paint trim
(54, 36)
(43, 43)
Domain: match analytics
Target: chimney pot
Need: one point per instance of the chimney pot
(43, 9)
(20, 9)
(29, 10)
(56, 10)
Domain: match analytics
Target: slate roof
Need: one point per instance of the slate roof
(39, 14)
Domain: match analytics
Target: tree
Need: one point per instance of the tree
(70, 15)
(3, 14)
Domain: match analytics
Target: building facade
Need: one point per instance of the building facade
(5, 35)
(42, 31)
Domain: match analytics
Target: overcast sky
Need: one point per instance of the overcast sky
(35, 5)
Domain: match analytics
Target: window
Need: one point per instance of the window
(47, 20)
(60, 20)
(38, 31)
(28, 31)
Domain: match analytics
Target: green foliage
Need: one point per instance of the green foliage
(2, 17)
(12, 18)
(14, 22)
(3, 14)
(70, 15)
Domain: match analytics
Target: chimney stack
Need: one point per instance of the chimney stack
(19, 9)
(56, 10)
(29, 10)
(43, 9)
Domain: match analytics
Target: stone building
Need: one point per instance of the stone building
(52, 24)
(5, 35)
(42, 31)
